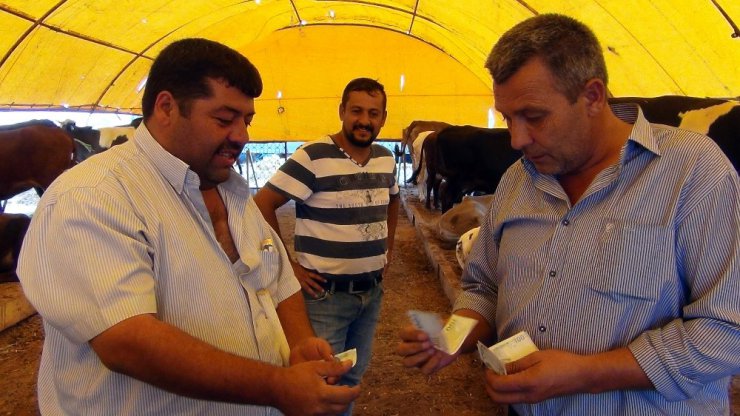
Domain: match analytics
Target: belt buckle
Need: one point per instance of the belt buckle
(371, 284)
(351, 288)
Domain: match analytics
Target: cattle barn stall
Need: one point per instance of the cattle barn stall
(94, 55)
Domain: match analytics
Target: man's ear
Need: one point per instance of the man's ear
(595, 95)
(341, 112)
(165, 106)
(385, 116)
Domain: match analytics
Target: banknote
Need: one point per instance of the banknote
(490, 359)
(347, 355)
(447, 337)
(511, 349)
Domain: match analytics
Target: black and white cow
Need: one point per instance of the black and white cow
(90, 141)
(717, 118)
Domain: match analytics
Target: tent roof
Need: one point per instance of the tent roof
(95, 54)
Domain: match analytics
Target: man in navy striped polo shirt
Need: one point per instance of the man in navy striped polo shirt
(614, 244)
(346, 211)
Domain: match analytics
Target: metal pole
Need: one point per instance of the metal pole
(250, 164)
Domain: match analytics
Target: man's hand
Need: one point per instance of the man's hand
(537, 377)
(311, 349)
(388, 258)
(551, 373)
(417, 350)
(310, 281)
(302, 389)
(541, 376)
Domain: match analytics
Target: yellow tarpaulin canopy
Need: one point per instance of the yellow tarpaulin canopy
(94, 54)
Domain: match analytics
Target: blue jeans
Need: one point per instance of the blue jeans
(347, 321)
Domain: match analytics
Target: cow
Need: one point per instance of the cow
(432, 180)
(419, 179)
(412, 139)
(32, 157)
(46, 123)
(717, 118)
(119, 135)
(464, 245)
(412, 131)
(90, 141)
(469, 158)
(462, 217)
(13, 228)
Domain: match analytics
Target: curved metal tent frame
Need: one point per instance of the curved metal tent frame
(94, 55)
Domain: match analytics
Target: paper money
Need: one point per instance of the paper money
(490, 359)
(347, 355)
(511, 349)
(448, 337)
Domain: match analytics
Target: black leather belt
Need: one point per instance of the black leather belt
(351, 286)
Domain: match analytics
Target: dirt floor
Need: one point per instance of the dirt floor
(388, 387)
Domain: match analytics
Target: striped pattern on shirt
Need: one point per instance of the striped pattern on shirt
(127, 233)
(646, 259)
(341, 208)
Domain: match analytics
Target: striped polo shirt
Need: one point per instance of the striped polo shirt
(646, 259)
(341, 208)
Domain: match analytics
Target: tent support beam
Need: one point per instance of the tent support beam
(736, 31)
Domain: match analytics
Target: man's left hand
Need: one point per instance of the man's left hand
(539, 376)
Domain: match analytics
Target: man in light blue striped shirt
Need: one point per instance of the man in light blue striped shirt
(162, 289)
(614, 243)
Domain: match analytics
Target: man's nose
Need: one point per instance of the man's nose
(520, 136)
(364, 119)
(239, 133)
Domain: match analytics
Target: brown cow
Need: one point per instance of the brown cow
(32, 157)
(417, 126)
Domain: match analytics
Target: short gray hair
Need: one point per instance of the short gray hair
(566, 46)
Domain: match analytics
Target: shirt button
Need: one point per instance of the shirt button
(552, 273)
(542, 328)
(566, 223)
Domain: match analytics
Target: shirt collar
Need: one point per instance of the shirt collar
(174, 170)
(177, 172)
(641, 133)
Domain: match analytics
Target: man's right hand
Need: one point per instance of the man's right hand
(310, 281)
(302, 389)
(417, 350)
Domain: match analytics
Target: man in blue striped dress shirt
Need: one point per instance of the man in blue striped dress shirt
(614, 243)
(346, 211)
(162, 289)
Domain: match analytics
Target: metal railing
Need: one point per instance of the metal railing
(257, 164)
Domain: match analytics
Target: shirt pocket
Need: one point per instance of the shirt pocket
(267, 276)
(628, 260)
(262, 270)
